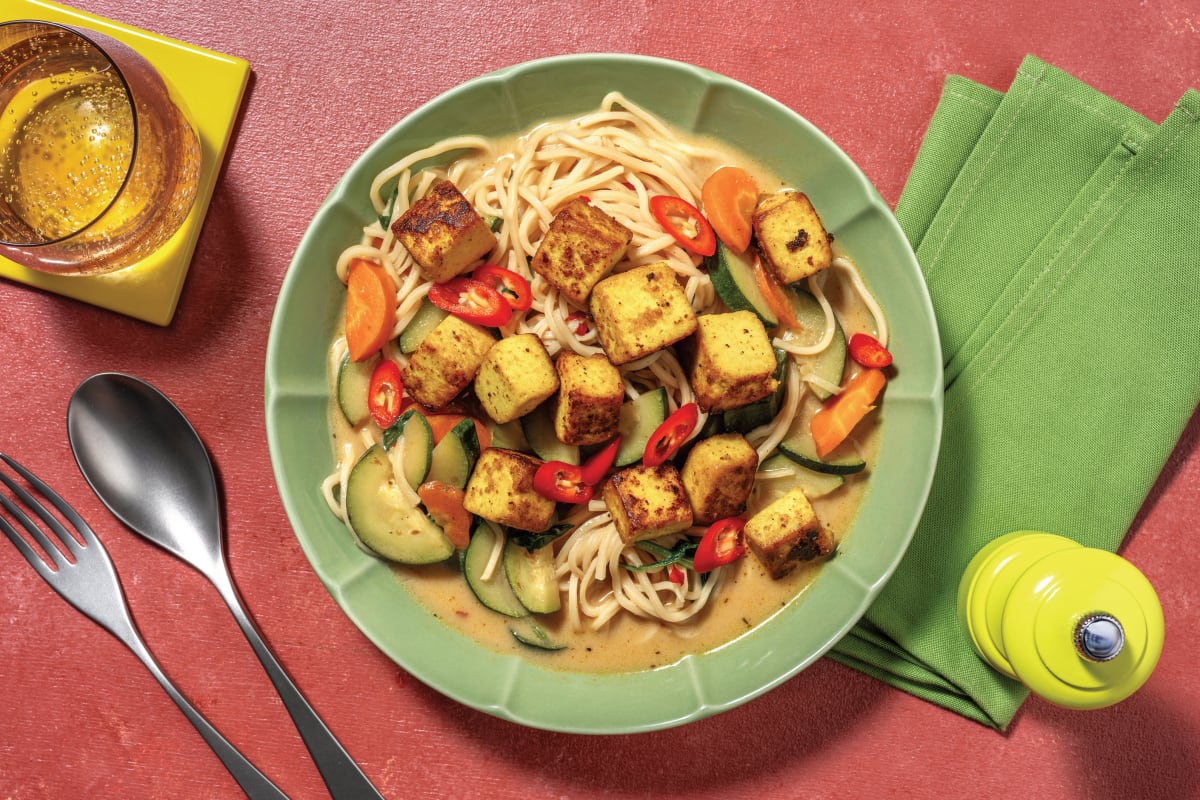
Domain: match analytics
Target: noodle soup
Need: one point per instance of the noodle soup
(618, 612)
(748, 596)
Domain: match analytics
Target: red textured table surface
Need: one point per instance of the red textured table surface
(80, 718)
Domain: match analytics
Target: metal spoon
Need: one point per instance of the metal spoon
(146, 462)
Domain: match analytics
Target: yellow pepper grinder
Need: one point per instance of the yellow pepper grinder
(1080, 627)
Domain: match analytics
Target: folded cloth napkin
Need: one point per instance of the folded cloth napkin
(1057, 232)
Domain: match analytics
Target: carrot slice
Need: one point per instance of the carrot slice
(729, 196)
(833, 422)
(445, 506)
(442, 424)
(370, 308)
(772, 292)
(484, 434)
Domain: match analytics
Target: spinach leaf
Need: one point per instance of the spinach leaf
(386, 216)
(680, 554)
(536, 541)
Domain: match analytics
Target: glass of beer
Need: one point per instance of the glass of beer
(98, 165)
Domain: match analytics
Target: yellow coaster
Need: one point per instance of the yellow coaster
(209, 87)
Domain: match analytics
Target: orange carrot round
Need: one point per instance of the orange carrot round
(773, 293)
(833, 422)
(729, 196)
(445, 506)
(370, 308)
(442, 424)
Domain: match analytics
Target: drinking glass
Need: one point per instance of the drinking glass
(99, 167)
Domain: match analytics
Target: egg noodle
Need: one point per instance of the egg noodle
(619, 157)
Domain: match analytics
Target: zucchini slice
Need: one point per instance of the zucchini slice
(733, 279)
(418, 445)
(530, 634)
(385, 520)
(538, 426)
(426, 319)
(800, 447)
(814, 484)
(531, 575)
(830, 364)
(508, 435)
(640, 417)
(495, 593)
(353, 385)
(453, 458)
(744, 419)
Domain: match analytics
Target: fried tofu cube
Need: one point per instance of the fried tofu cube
(718, 476)
(446, 362)
(733, 363)
(444, 233)
(641, 311)
(501, 490)
(786, 532)
(581, 245)
(590, 393)
(515, 377)
(647, 502)
(791, 237)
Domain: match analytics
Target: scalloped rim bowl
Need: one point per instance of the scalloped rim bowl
(297, 393)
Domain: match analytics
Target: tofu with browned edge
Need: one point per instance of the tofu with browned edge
(787, 532)
(443, 233)
(733, 362)
(501, 490)
(641, 311)
(647, 502)
(515, 377)
(580, 247)
(446, 361)
(718, 475)
(791, 237)
(590, 393)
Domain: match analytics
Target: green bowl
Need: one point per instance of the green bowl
(698, 686)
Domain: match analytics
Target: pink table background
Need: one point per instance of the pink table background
(80, 718)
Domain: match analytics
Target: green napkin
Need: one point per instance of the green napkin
(1057, 232)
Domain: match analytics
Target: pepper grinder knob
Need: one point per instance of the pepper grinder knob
(1099, 637)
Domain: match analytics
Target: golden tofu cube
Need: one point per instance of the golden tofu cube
(590, 393)
(718, 475)
(446, 362)
(444, 234)
(501, 490)
(791, 237)
(786, 532)
(647, 502)
(515, 377)
(734, 363)
(581, 245)
(641, 311)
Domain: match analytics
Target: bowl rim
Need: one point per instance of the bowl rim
(518, 690)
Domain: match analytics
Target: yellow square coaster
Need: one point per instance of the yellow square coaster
(209, 87)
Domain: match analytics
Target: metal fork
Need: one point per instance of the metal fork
(88, 581)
